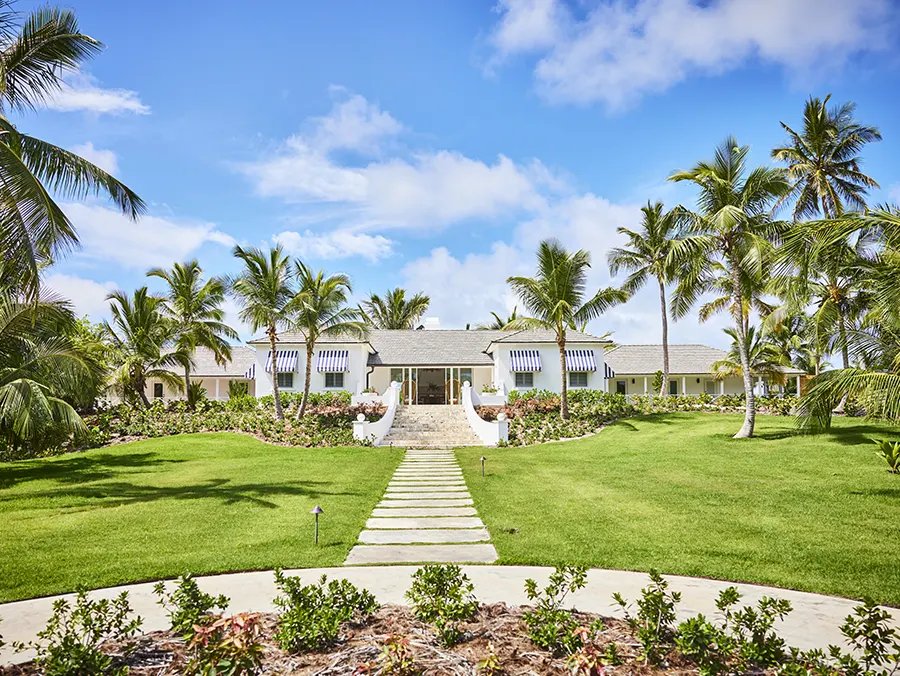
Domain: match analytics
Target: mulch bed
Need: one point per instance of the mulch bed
(496, 625)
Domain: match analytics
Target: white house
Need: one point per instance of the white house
(212, 376)
(432, 365)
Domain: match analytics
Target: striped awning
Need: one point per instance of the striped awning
(250, 373)
(287, 361)
(332, 361)
(580, 360)
(523, 361)
(609, 372)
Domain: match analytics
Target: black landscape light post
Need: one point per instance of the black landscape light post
(482, 465)
(317, 510)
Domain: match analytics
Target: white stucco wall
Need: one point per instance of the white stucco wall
(354, 377)
(208, 383)
(732, 385)
(549, 377)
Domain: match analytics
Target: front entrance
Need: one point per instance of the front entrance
(431, 387)
(437, 386)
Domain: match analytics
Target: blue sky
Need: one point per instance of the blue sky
(433, 144)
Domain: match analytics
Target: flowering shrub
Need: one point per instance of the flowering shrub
(230, 646)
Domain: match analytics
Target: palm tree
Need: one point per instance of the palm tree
(320, 309)
(35, 54)
(394, 311)
(733, 229)
(498, 323)
(263, 289)
(652, 252)
(196, 311)
(765, 359)
(823, 161)
(142, 337)
(555, 298)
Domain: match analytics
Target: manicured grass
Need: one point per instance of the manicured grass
(675, 492)
(157, 508)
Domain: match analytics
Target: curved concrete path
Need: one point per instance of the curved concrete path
(814, 622)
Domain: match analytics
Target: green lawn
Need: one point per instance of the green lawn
(154, 509)
(675, 492)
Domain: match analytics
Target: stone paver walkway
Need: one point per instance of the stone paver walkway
(814, 622)
(426, 516)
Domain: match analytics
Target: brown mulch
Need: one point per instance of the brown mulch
(497, 625)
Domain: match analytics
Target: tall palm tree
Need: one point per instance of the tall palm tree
(195, 308)
(394, 311)
(263, 289)
(35, 54)
(499, 323)
(320, 309)
(652, 252)
(765, 359)
(142, 337)
(555, 299)
(734, 229)
(823, 160)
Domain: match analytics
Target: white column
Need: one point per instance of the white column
(645, 384)
(759, 384)
(217, 389)
(683, 385)
(722, 386)
(798, 386)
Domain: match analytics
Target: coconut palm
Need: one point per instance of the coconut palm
(498, 323)
(555, 299)
(733, 230)
(263, 289)
(394, 311)
(35, 53)
(195, 308)
(652, 252)
(143, 339)
(823, 161)
(320, 309)
(765, 358)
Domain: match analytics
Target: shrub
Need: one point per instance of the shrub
(238, 388)
(890, 452)
(490, 665)
(550, 626)
(488, 388)
(312, 614)
(70, 643)
(654, 622)
(230, 646)
(187, 606)
(442, 595)
(396, 658)
(706, 644)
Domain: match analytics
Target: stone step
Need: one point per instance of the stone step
(410, 537)
(441, 488)
(400, 485)
(406, 443)
(372, 554)
(446, 502)
(426, 493)
(414, 522)
(422, 511)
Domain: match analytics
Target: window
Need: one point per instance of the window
(286, 380)
(157, 390)
(620, 387)
(397, 376)
(524, 379)
(334, 380)
(673, 387)
(578, 378)
(711, 386)
(465, 376)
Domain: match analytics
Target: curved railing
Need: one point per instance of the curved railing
(491, 433)
(377, 431)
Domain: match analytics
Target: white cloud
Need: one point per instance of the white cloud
(88, 296)
(82, 92)
(354, 124)
(109, 236)
(618, 51)
(105, 159)
(335, 244)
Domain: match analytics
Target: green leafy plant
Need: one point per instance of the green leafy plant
(654, 621)
(396, 658)
(657, 381)
(588, 659)
(550, 626)
(704, 643)
(238, 388)
(311, 615)
(229, 646)
(70, 643)
(490, 665)
(890, 452)
(442, 595)
(489, 388)
(187, 606)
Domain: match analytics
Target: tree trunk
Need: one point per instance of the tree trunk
(187, 382)
(664, 387)
(750, 406)
(564, 392)
(306, 382)
(141, 387)
(845, 357)
(279, 413)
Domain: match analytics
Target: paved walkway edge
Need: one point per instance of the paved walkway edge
(814, 623)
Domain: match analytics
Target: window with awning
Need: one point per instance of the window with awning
(250, 373)
(580, 360)
(333, 361)
(287, 361)
(524, 361)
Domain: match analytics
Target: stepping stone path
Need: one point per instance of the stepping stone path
(426, 516)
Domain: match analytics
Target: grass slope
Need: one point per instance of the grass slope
(675, 492)
(157, 508)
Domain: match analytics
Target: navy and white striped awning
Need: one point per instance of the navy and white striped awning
(609, 372)
(580, 360)
(287, 361)
(332, 361)
(250, 373)
(524, 361)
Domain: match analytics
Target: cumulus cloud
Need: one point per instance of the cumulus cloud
(335, 244)
(617, 52)
(87, 296)
(109, 236)
(83, 92)
(105, 159)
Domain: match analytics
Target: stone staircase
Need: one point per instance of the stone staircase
(431, 426)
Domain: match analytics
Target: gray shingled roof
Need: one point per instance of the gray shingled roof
(205, 365)
(540, 336)
(683, 359)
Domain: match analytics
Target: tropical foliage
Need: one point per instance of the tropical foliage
(395, 310)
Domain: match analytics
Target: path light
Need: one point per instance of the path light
(317, 510)
(482, 465)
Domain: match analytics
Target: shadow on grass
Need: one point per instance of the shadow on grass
(118, 493)
(79, 469)
(880, 493)
(853, 436)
